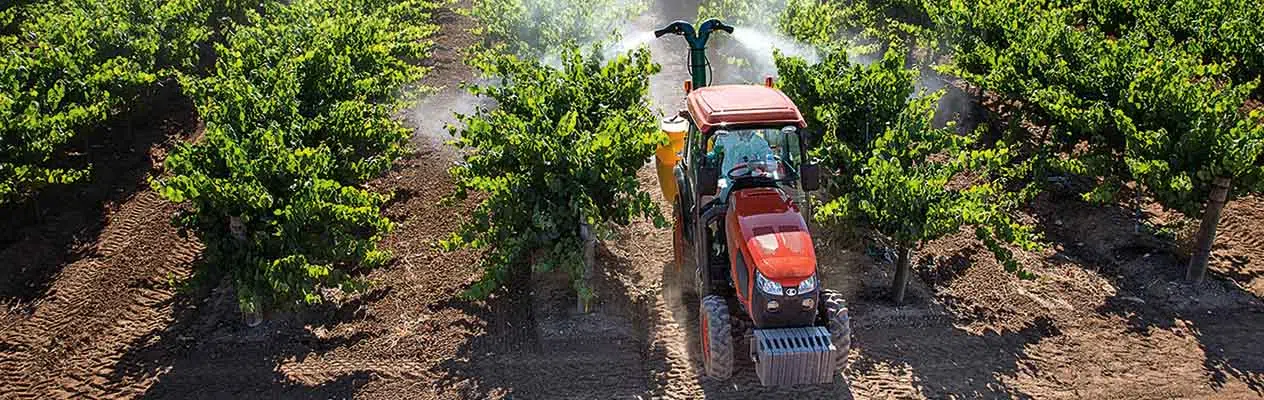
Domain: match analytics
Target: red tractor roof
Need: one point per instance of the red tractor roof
(742, 105)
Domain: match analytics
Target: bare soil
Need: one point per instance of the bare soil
(1108, 317)
(1239, 249)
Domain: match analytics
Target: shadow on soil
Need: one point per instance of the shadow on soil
(528, 340)
(57, 226)
(932, 353)
(1151, 289)
(209, 353)
(502, 324)
(919, 348)
(1240, 270)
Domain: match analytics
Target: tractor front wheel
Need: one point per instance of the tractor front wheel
(834, 316)
(716, 337)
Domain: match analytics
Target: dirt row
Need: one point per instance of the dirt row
(95, 313)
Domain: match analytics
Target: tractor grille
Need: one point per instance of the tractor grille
(793, 356)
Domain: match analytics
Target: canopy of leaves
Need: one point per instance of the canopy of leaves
(741, 13)
(846, 105)
(298, 115)
(892, 170)
(537, 28)
(826, 23)
(561, 149)
(1183, 130)
(69, 65)
(1151, 91)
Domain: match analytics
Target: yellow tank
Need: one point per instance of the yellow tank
(667, 155)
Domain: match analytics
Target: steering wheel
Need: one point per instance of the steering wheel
(735, 168)
(749, 170)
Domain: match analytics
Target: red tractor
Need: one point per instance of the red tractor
(740, 231)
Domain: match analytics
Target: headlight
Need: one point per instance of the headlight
(773, 288)
(808, 285)
(767, 286)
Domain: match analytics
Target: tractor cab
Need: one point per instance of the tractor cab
(744, 167)
(746, 133)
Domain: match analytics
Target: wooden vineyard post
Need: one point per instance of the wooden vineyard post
(903, 270)
(584, 303)
(238, 229)
(1207, 231)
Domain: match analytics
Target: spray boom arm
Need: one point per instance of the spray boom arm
(697, 39)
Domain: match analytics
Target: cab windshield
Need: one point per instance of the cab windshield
(771, 153)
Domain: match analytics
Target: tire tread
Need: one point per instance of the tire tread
(838, 322)
(719, 364)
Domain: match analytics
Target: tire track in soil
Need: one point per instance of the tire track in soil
(74, 338)
(1102, 359)
(316, 371)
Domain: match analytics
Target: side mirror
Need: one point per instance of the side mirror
(708, 181)
(811, 176)
(807, 140)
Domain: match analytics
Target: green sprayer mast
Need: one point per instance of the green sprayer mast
(697, 38)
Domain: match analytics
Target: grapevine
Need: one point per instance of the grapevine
(298, 116)
(1150, 92)
(534, 28)
(56, 84)
(1156, 93)
(561, 149)
(892, 170)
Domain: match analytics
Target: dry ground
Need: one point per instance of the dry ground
(90, 310)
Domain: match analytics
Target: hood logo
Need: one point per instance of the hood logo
(792, 291)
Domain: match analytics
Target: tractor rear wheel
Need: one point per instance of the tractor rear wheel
(716, 337)
(838, 322)
(678, 237)
(686, 272)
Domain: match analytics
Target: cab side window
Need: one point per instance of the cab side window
(793, 149)
(691, 148)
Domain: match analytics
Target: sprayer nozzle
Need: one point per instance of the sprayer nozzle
(677, 27)
(714, 24)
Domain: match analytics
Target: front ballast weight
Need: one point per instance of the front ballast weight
(794, 356)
